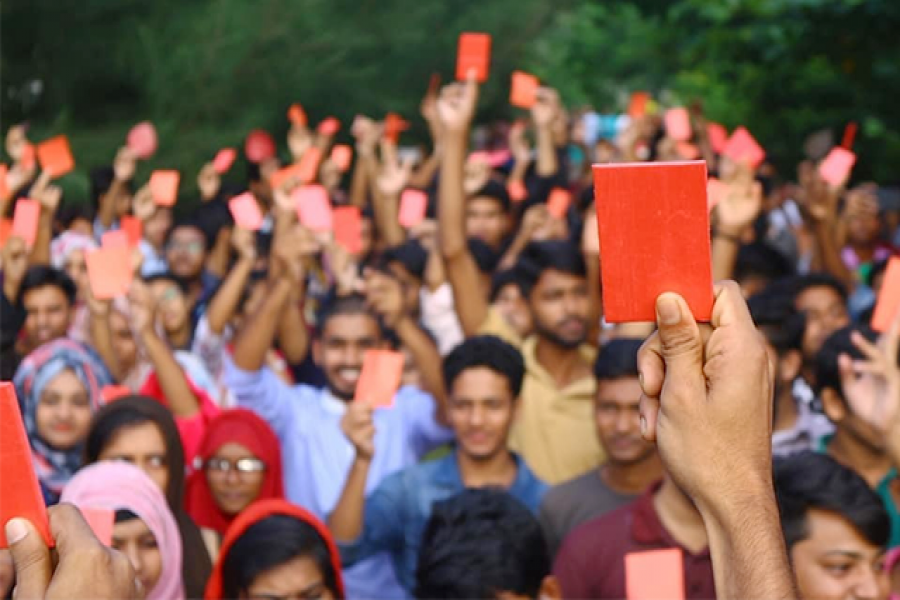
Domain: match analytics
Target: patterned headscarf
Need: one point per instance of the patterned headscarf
(67, 242)
(55, 467)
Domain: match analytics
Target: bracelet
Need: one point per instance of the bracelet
(727, 236)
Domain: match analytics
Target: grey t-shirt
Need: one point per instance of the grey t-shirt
(569, 504)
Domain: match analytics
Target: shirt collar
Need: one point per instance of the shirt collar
(332, 403)
(447, 473)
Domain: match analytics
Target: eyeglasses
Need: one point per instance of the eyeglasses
(242, 465)
(190, 247)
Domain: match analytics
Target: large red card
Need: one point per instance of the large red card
(133, 228)
(394, 125)
(224, 159)
(20, 493)
(558, 203)
(743, 147)
(342, 156)
(347, 223)
(654, 237)
(523, 91)
(413, 206)
(101, 521)
(888, 304)
(142, 140)
(380, 378)
(473, 52)
(654, 575)
(678, 124)
(26, 219)
(313, 207)
(637, 105)
(109, 272)
(246, 212)
(55, 156)
(297, 116)
(835, 168)
(718, 136)
(164, 187)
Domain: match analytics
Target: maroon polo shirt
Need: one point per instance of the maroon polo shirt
(591, 562)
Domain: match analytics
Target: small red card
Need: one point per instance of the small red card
(474, 52)
(6, 226)
(279, 177)
(654, 575)
(142, 140)
(413, 206)
(224, 159)
(313, 207)
(347, 223)
(25, 220)
(849, 135)
(342, 156)
(516, 190)
(835, 168)
(259, 146)
(164, 187)
(888, 304)
(558, 203)
(246, 212)
(654, 237)
(115, 239)
(297, 115)
(678, 124)
(742, 147)
(308, 167)
(380, 378)
(394, 125)
(55, 156)
(111, 393)
(718, 136)
(101, 521)
(523, 91)
(109, 272)
(133, 228)
(4, 191)
(329, 126)
(637, 105)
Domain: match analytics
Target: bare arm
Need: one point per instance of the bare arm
(544, 112)
(101, 334)
(346, 520)
(224, 303)
(734, 213)
(49, 197)
(293, 336)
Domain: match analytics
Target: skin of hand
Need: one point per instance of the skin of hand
(384, 295)
(741, 205)
(208, 182)
(142, 205)
(124, 164)
(244, 243)
(15, 264)
(15, 142)
(358, 426)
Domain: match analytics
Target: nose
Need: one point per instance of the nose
(135, 557)
(232, 478)
(476, 418)
(871, 586)
(625, 421)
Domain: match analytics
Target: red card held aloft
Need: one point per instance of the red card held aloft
(224, 159)
(523, 91)
(111, 393)
(6, 226)
(21, 495)
(654, 575)
(678, 124)
(279, 177)
(516, 190)
(835, 168)
(558, 203)
(380, 378)
(888, 305)
(637, 105)
(347, 223)
(4, 190)
(743, 147)
(246, 212)
(394, 125)
(101, 521)
(164, 187)
(313, 207)
(142, 140)
(25, 220)
(308, 167)
(109, 272)
(413, 205)
(716, 190)
(115, 239)
(849, 135)
(329, 126)
(654, 237)
(297, 115)
(259, 146)
(133, 228)
(55, 156)
(473, 52)
(718, 136)
(342, 156)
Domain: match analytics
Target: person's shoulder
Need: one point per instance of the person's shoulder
(605, 530)
(562, 492)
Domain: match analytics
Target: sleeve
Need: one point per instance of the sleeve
(496, 325)
(263, 393)
(439, 317)
(418, 409)
(383, 522)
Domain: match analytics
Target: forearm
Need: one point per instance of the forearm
(387, 210)
(217, 262)
(224, 303)
(293, 336)
(359, 184)
(101, 336)
(40, 253)
(547, 165)
(346, 520)
(107, 209)
(255, 337)
(515, 249)
(451, 207)
(428, 360)
(423, 177)
(592, 262)
(172, 380)
(830, 254)
(725, 248)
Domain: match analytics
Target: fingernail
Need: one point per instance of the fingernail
(16, 531)
(643, 426)
(641, 378)
(667, 310)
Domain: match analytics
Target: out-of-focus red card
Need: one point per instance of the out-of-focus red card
(654, 237)
(164, 187)
(4, 191)
(246, 212)
(413, 205)
(259, 146)
(523, 91)
(835, 168)
(849, 135)
(473, 52)
(558, 203)
(313, 207)
(142, 140)
(6, 226)
(342, 156)
(347, 223)
(888, 304)
(101, 522)
(21, 496)
(133, 228)
(394, 125)
(678, 124)
(716, 190)
(687, 150)
(297, 115)
(109, 272)
(654, 575)
(718, 136)
(516, 190)
(742, 146)
(224, 159)
(111, 393)
(279, 177)
(115, 239)
(329, 126)
(55, 156)
(25, 220)
(380, 378)
(637, 105)
(308, 167)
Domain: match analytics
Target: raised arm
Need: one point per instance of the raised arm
(225, 302)
(123, 170)
(366, 132)
(544, 112)
(391, 180)
(734, 213)
(346, 520)
(49, 196)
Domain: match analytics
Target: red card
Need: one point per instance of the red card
(164, 187)
(308, 167)
(246, 212)
(224, 159)
(347, 223)
(101, 522)
(4, 191)
(109, 272)
(523, 91)
(111, 393)
(654, 237)
(741, 146)
(394, 125)
(115, 239)
(259, 146)
(25, 220)
(313, 207)
(21, 495)
(279, 177)
(654, 575)
(473, 52)
(888, 304)
(133, 228)
(716, 190)
(687, 150)
(6, 226)
(558, 203)
(637, 105)
(718, 136)
(380, 378)
(849, 135)
(516, 190)
(413, 205)
(28, 157)
(329, 126)
(55, 156)
(835, 168)
(297, 115)
(142, 140)
(342, 156)
(678, 124)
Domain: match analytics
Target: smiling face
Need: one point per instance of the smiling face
(49, 314)
(339, 353)
(63, 413)
(481, 410)
(233, 489)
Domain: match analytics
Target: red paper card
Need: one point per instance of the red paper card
(473, 52)
(718, 136)
(849, 135)
(394, 125)
(558, 203)
(516, 190)
(716, 190)
(687, 150)
(654, 575)
(101, 522)
(25, 220)
(637, 105)
(133, 228)
(678, 124)
(6, 226)
(835, 168)
(28, 157)
(741, 146)
(109, 272)
(259, 146)
(413, 205)
(164, 187)
(342, 156)
(55, 156)
(4, 191)
(888, 304)
(115, 239)
(224, 159)
(111, 393)
(313, 207)
(297, 115)
(246, 212)
(347, 223)
(21, 495)
(380, 378)
(279, 177)
(329, 126)
(142, 140)
(654, 237)
(308, 167)
(523, 92)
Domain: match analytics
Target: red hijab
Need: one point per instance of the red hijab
(243, 427)
(255, 513)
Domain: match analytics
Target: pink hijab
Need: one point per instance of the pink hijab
(121, 486)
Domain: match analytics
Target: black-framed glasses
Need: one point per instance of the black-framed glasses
(241, 465)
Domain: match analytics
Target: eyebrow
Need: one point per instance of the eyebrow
(846, 553)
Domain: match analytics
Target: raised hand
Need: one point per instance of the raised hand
(208, 182)
(384, 295)
(124, 164)
(293, 248)
(456, 105)
(299, 140)
(367, 133)
(142, 307)
(343, 268)
(546, 108)
(741, 205)
(16, 142)
(476, 174)
(518, 143)
(244, 243)
(142, 205)
(359, 427)
(15, 265)
(49, 197)
(394, 176)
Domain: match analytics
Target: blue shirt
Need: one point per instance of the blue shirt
(317, 456)
(396, 514)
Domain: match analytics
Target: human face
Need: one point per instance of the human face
(512, 306)
(123, 340)
(486, 220)
(157, 226)
(233, 490)
(142, 445)
(49, 314)
(186, 253)
(172, 305)
(135, 540)
(299, 578)
(863, 229)
(825, 313)
(339, 353)
(76, 269)
(559, 307)
(835, 563)
(63, 414)
(618, 420)
(481, 411)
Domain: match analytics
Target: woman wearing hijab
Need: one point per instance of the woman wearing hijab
(58, 386)
(141, 431)
(144, 529)
(276, 549)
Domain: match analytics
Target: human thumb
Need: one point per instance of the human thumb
(31, 559)
(680, 340)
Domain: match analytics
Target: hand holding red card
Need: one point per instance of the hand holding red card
(164, 187)
(55, 156)
(347, 223)
(380, 378)
(637, 105)
(109, 272)
(394, 125)
(25, 220)
(297, 116)
(224, 159)
(835, 168)
(246, 212)
(342, 156)
(742, 147)
(330, 126)
(133, 228)
(888, 305)
(473, 53)
(101, 521)
(558, 203)
(654, 575)
(678, 124)
(308, 167)
(142, 140)
(523, 92)
(413, 206)
(313, 207)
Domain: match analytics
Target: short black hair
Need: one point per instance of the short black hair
(759, 259)
(826, 363)
(38, 276)
(774, 314)
(538, 257)
(808, 480)
(269, 543)
(411, 255)
(479, 543)
(486, 351)
(495, 190)
(618, 358)
(336, 306)
(484, 255)
(191, 223)
(503, 278)
(801, 283)
(167, 276)
(70, 212)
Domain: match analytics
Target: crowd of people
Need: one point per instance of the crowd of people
(531, 450)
